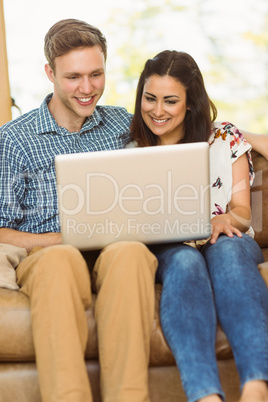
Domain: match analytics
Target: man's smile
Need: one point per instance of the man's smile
(85, 101)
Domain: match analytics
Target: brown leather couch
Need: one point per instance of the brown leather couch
(18, 374)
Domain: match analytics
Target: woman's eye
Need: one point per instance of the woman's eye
(149, 99)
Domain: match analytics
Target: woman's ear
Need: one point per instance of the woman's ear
(49, 73)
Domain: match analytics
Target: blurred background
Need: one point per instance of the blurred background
(228, 39)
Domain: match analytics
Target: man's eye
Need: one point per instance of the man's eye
(72, 78)
(96, 75)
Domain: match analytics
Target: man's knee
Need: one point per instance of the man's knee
(60, 268)
(57, 261)
(130, 252)
(125, 259)
(60, 257)
(129, 248)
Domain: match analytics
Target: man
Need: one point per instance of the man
(56, 277)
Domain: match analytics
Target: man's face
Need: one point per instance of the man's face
(79, 80)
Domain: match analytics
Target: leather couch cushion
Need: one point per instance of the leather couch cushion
(16, 342)
(259, 199)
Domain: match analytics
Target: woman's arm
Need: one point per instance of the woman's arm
(28, 240)
(259, 142)
(238, 217)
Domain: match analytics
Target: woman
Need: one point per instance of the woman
(218, 279)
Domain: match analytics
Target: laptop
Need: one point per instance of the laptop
(155, 194)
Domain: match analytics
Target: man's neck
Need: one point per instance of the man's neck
(64, 118)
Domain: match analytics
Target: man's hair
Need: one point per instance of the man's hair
(70, 34)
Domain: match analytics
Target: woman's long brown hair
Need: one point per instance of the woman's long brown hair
(198, 120)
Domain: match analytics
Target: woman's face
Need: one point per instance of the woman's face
(163, 108)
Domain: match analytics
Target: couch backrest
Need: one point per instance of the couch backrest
(259, 199)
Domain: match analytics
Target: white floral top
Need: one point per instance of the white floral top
(227, 144)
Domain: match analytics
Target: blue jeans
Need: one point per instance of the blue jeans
(222, 283)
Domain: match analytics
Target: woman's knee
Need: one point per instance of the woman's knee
(234, 249)
(180, 264)
(183, 257)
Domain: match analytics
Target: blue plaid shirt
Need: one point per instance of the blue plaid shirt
(29, 144)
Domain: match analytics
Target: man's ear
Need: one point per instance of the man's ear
(49, 73)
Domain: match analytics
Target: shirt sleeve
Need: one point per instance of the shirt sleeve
(240, 146)
(12, 183)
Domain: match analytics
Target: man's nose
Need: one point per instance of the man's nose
(86, 85)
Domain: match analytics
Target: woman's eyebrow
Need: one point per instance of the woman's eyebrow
(165, 97)
(148, 93)
(171, 96)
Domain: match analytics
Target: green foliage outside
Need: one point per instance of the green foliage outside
(240, 94)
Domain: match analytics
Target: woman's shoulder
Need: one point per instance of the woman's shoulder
(225, 127)
(227, 139)
(225, 131)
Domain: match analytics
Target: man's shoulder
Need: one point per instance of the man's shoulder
(21, 123)
(115, 113)
(111, 109)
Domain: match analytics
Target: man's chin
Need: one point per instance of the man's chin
(87, 112)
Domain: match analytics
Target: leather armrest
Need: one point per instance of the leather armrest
(263, 268)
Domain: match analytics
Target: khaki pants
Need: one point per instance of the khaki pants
(57, 281)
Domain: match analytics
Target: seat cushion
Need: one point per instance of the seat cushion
(16, 341)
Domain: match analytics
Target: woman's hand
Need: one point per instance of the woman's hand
(222, 224)
(238, 216)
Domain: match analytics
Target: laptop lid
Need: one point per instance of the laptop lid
(153, 194)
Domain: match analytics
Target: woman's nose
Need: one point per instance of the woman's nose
(158, 110)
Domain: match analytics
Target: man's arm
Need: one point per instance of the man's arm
(259, 142)
(29, 240)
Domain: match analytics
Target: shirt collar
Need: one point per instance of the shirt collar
(45, 122)
(91, 121)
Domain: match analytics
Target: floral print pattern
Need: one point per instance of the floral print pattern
(227, 144)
